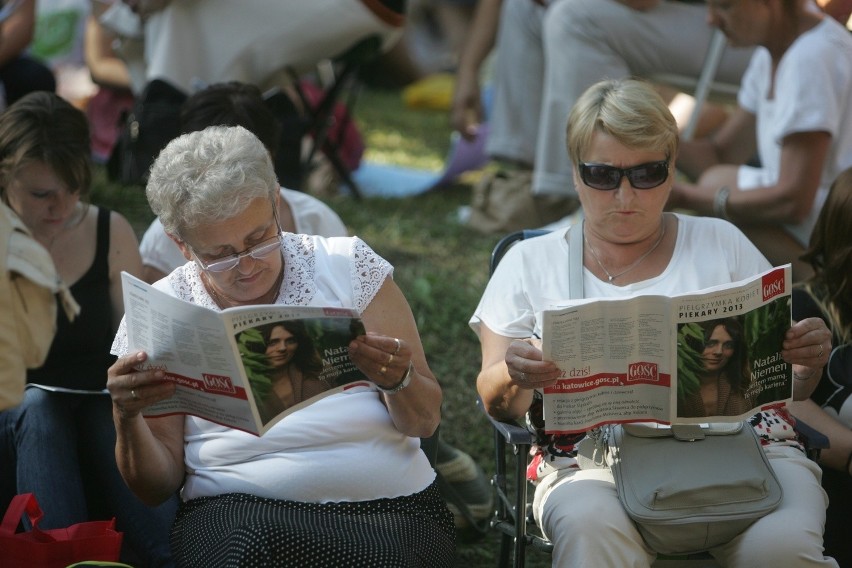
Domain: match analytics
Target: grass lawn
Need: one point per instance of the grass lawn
(440, 266)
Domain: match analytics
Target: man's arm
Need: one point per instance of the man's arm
(840, 10)
(466, 112)
(17, 32)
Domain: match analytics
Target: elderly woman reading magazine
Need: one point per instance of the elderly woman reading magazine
(623, 143)
(340, 482)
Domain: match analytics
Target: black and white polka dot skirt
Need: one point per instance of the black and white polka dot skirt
(243, 530)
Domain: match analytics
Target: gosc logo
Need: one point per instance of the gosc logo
(773, 284)
(646, 372)
(218, 383)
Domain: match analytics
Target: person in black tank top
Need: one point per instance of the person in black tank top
(59, 443)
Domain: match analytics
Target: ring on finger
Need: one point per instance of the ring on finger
(820, 351)
(523, 377)
(133, 394)
(398, 346)
(383, 370)
(390, 358)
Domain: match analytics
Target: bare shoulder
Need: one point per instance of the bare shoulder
(123, 245)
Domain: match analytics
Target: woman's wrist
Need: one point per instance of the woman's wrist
(403, 382)
(720, 202)
(799, 377)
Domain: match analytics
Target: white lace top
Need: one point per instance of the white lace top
(304, 456)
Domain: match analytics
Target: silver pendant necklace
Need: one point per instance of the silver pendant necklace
(637, 262)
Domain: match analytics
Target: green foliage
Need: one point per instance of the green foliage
(689, 364)
(251, 348)
(764, 328)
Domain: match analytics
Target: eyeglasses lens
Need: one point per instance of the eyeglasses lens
(259, 252)
(643, 176)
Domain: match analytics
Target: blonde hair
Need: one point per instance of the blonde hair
(629, 110)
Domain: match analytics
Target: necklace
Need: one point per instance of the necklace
(634, 264)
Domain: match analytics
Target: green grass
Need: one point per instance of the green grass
(441, 266)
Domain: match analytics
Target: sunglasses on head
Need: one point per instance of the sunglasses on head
(606, 177)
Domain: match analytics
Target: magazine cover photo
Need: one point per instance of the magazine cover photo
(291, 362)
(727, 367)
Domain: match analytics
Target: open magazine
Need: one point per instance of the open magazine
(707, 356)
(244, 367)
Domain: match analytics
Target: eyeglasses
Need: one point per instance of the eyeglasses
(605, 177)
(258, 252)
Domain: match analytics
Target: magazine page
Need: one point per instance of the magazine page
(244, 367)
(294, 356)
(616, 359)
(709, 356)
(729, 363)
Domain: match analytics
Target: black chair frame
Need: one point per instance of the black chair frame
(320, 117)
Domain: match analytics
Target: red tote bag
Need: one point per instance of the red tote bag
(55, 548)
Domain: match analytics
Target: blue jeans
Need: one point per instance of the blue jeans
(58, 446)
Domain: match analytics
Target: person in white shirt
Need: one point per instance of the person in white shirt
(340, 482)
(794, 113)
(233, 104)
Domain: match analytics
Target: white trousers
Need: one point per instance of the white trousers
(546, 58)
(580, 512)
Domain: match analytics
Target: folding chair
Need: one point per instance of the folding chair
(338, 80)
(512, 516)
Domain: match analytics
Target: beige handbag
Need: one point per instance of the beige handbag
(503, 202)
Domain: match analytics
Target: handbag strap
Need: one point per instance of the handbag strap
(23, 503)
(574, 236)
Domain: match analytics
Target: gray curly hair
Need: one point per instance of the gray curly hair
(209, 176)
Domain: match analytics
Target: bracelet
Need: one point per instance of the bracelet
(720, 202)
(809, 377)
(404, 382)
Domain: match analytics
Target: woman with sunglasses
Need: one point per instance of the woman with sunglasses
(341, 482)
(623, 141)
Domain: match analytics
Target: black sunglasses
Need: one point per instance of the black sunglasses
(605, 177)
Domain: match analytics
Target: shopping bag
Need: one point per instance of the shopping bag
(54, 548)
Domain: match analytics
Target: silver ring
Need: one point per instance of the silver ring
(390, 359)
(133, 394)
(383, 370)
(523, 377)
(819, 355)
(398, 346)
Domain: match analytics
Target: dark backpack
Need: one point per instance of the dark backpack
(152, 123)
